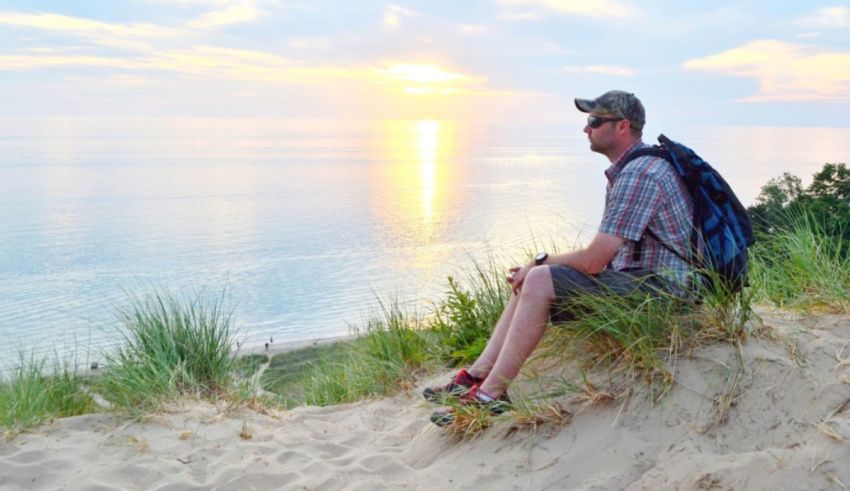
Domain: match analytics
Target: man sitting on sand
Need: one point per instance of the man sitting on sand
(622, 258)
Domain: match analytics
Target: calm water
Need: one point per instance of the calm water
(304, 222)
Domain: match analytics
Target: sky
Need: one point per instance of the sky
(743, 63)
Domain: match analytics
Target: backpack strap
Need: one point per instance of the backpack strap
(662, 153)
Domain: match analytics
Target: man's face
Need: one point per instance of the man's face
(600, 129)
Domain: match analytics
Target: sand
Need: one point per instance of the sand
(787, 427)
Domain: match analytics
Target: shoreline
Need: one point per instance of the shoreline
(287, 346)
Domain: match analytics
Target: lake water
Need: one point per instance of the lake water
(304, 222)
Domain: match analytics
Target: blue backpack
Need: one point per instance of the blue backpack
(719, 217)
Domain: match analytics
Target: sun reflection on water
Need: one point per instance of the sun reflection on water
(428, 132)
(417, 180)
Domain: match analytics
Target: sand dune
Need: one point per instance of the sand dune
(777, 417)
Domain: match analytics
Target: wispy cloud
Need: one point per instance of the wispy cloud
(827, 18)
(215, 62)
(586, 8)
(27, 62)
(472, 29)
(134, 37)
(227, 13)
(394, 15)
(423, 73)
(784, 71)
(615, 71)
(82, 26)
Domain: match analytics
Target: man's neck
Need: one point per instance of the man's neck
(617, 152)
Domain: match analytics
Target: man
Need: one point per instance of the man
(646, 207)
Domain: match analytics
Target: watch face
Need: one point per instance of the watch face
(540, 258)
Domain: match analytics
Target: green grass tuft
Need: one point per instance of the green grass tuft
(171, 347)
(801, 266)
(462, 323)
(288, 373)
(635, 334)
(31, 395)
(383, 359)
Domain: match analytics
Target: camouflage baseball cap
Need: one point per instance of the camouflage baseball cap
(621, 104)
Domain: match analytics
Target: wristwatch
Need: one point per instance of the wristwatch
(540, 258)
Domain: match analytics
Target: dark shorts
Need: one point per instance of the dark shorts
(570, 283)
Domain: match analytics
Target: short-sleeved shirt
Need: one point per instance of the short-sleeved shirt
(647, 193)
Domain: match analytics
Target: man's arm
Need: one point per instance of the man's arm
(593, 258)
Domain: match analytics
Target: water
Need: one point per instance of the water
(303, 221)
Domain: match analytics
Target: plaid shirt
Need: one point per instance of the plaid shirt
(649, 194)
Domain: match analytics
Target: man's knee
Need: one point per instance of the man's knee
(538, 284)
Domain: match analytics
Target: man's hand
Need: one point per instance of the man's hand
(517, 277)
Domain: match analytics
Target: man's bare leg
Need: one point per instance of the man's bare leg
(482, 366)
(526, 328)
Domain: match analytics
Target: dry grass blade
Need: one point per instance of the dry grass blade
(836, 480)
(829, 431)
(842, 360)
(593, 396)
(469, 423)
(841, 407)
(794, 353)
(723, 402)
(548, 415)
(245, 434)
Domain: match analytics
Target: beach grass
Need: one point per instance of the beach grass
(288, 372)
(247, 366)
(383, 358)
(32, 394)
(462, 322)
(801, 266)
(172, 346)
(634, 335)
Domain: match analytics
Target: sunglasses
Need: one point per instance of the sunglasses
(595, 121)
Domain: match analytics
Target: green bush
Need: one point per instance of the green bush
(783, 201)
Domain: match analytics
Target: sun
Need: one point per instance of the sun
(425, 79)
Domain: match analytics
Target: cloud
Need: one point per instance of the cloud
(586, 8)
(423, 73)
(136, 37)
(26, 62)
(520, 16)
(155, 52)
(215, 62)
(227, 14)
(472, 29)
(78, 25)
(828, 18)
(394, 14)
(311, 43)
(601, 70)
(784, 71)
